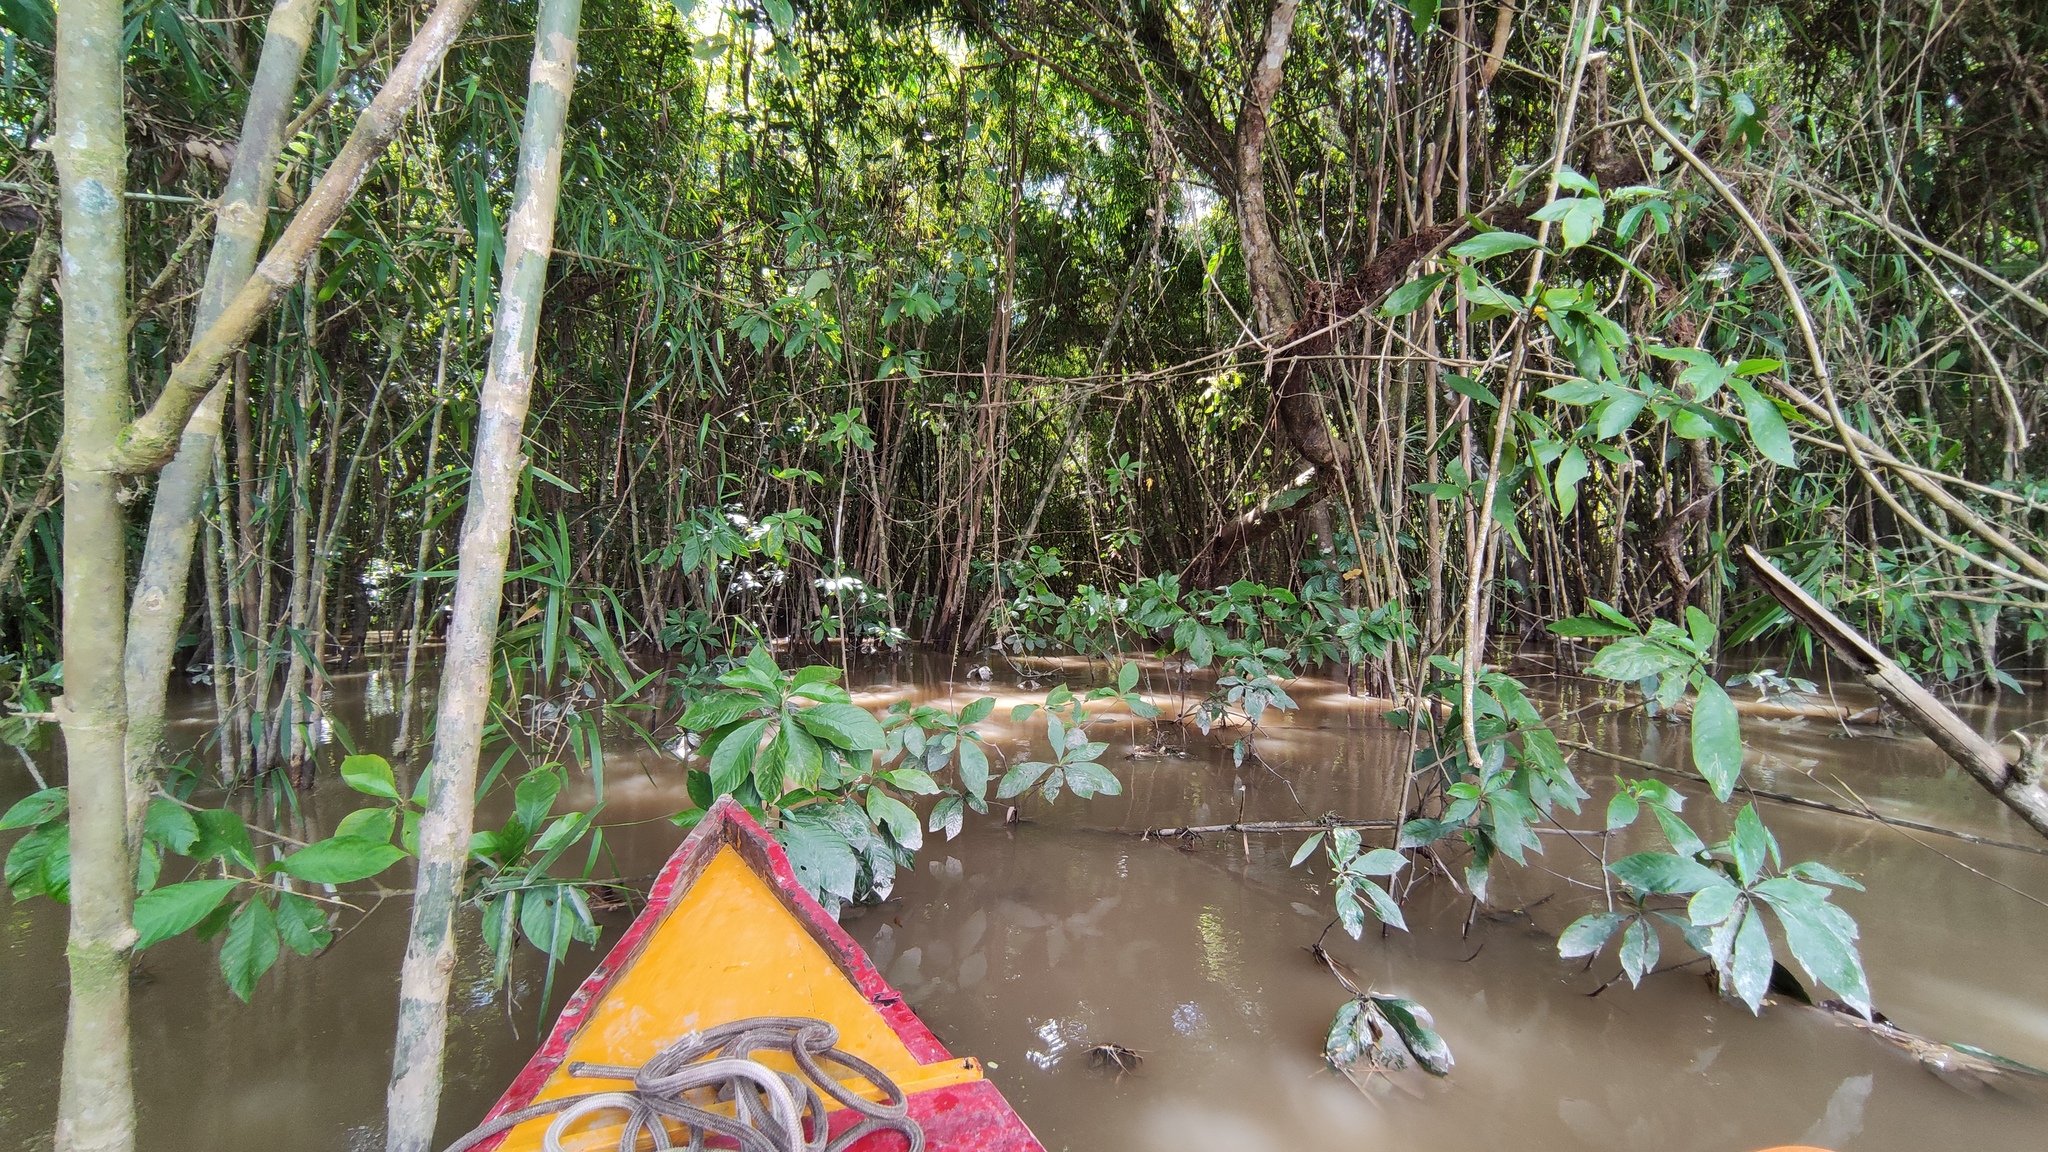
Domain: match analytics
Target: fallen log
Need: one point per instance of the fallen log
(2016, 781)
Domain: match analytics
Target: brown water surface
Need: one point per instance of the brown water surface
(1026, 945)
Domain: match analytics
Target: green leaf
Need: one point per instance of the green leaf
(1622, 811)
(1412, 295)
(719, 709)
(1383, 906)
(1126, 678)
(169, 824)
(1710, 906)
(824, 862)
(733, 759)
(897, 817)
(1582, 220)
(948, 814)
(1307, 849)
(802, 761)
(223, 836)
(1088, 779)
(370, 775)
(915, 781)
(1633, 658)
(1682, 838)
(973, 768)
(1571, 468)
(1639, 950)
(175, 908)
(1665, 873)
(340, 860)
(1822, 938)
(1468, 387)
(1749, 844)
(1588, 934)
(1716, 739)
(1589, 627)
(1752, 961)
(1822, 874)
(1490, 244)
(848, 726)
(250, 949)
(39, 864)
(1612, 416)
(1020, 778)
(1412, 1022)
(302, 924)
(978, 711)
(1766, 425)
(35, 808)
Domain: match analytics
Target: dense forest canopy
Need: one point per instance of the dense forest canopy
(1267, 336)
(922, 288)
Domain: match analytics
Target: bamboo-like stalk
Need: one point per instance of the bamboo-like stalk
(413, 1099)
(158, 608)
(96, 1100)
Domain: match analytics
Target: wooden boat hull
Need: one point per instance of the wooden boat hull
(728, 934)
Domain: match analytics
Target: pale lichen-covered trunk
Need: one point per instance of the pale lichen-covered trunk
(413, 1101)
(160, 588)
(96, 1103)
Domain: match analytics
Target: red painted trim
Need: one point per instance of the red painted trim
(967, 1116)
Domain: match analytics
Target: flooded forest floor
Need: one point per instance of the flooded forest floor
(1028, 944)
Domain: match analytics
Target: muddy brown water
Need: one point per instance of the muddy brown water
(1027, 945)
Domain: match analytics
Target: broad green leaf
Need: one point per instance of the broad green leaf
(223, 836)
(949, 815)
(1126, 678)
(915, 781)
(1639, 950)
(1571, 468)
(39, 864)
(1664, 873)
(1412, 1022)
(250, 949)
(1020, 778)
(824, 862)
(1490, 244)
(1751, 977)
(175, 908)
(169, 824)
(1088, 779)
(1716, 739)
(1682, 838)
(1749, 844)
(370, 775)
(1577, 392)
(1307, 848)
(1612, 416)
(302, 924)
(897, 817)
(719, 709)
(978, 711)
(1589, 627)
(1622, 811)
(1412, 295)
(340, 860)
(1713, 905)
(733, 760)
(802, 761)
(35, 808)
(973, 768)
(1379, 862)
(373, 824)
(1822, 874)
(1766, 425)
(1633, 658)
(848, 726)
(1383, 906)
(1589, 933)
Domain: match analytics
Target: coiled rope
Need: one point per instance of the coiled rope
(772, 1111)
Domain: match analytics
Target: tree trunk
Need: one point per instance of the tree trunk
(413, 1100)
(160, 587)
(96, 1100)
